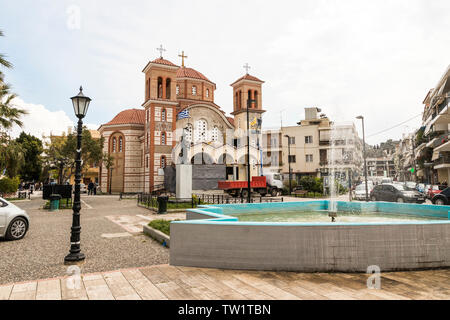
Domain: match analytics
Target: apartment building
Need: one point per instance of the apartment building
(340, 151)
(432, 140)
(404, 158)
(303, 142)
(272, 140)
(381, 167)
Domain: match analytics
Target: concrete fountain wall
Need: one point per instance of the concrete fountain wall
(208, 238)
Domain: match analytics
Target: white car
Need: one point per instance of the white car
(14, 222)
(360, 191)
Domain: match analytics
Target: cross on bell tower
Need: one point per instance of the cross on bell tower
(161, 49)
(182, 58)
(246, 67)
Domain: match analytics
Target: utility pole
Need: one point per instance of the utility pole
(289, 162)
(364, 156)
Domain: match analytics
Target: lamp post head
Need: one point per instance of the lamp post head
(360, 117)
(286, 136)
(80, 104)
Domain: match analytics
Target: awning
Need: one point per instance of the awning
(430, 144)
(443, 147)
(435, 155)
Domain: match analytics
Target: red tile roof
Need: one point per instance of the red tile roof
(248, 77)
(184, 72)
(130, 116)
(231, 120)
(164, 61)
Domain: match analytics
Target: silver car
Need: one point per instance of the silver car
(14, 222)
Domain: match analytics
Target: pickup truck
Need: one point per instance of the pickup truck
(267, 184)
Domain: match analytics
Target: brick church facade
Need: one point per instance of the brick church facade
(143, 141)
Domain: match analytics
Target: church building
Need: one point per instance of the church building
(179, 122)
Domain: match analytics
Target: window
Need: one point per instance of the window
(120, 144)
(207, 93)
(160, 88)
(163, 162)
(291, 140)
(194, 90)
(188, 133)
(308, 139)
(200, 130)
(163, 138)
(146, 161)
(168, 81)
(291, 158)
(114, 145)
(163, 115)
(309, 158)
(215, 134)
(178, 89)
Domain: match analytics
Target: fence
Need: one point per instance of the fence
(150, 200)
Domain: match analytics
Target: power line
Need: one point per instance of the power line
(397, 125)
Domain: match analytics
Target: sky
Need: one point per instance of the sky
(372, 58)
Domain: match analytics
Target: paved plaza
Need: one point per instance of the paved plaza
(112, 239)
(164, 282)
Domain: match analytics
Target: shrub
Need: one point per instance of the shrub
(9, 185)
(161, 225)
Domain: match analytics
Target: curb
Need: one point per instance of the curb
(157, 235)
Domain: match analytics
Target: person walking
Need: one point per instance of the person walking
(90, 187)
(95, 188)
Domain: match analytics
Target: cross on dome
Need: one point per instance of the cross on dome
(182, 58)
(246, 67)
(161, 49)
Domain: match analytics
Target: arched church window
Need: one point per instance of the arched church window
(194, 90)
(256, 99)
(114, 142)
(207, 93)
(178, 90)
(188, 133)
(163, 138)
(200, 130)
(168, 81)
(120, 144)
(163, 162)
(215, 134)
(163, 115)
(249, 97)
(160, 88)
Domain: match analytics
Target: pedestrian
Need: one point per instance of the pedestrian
(90, 187)
(95, 189)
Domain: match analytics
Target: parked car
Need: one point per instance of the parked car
(425, 190)
(395, 193)
(442, 198)
(434, 190)
(420, 187)
(83, 188)
(360, 191)
(410, 185)
(14, 222)
(386, 180)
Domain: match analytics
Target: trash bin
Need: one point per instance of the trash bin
(162, 204)
(54, 202)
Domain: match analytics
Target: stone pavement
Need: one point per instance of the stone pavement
(162, 282)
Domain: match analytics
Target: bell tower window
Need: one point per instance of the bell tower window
(168, 81)
(194, 90)
(160, 87)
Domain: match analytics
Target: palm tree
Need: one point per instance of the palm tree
(9, 115)
(3, 62)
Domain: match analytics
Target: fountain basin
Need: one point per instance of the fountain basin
(212, 236)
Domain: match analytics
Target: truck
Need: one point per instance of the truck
(269, 183)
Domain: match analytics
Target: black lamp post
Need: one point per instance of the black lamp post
(289, 162)
(80, 106)
(249, 103)
(364, 156)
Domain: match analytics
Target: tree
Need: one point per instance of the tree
(32, 148)
(9, 115)
(61, 153)
(11, 156)
(108, 162)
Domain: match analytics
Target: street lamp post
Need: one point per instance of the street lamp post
(249, 103)
(364, 156)
(289, 162)
(80, 106)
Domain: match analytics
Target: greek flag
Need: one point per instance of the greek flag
(183, 114)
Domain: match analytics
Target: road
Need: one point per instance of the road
(111, 238)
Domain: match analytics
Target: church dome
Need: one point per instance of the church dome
(184, 72)
(130, 116)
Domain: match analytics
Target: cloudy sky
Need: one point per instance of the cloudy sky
(375, 58)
